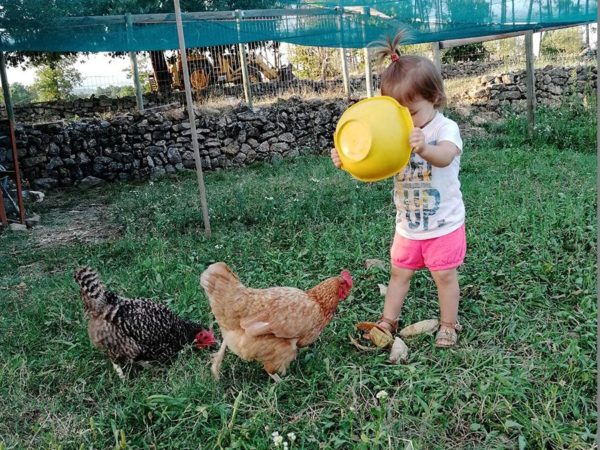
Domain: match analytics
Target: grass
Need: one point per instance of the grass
(522, 376)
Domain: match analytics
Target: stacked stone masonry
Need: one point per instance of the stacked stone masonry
(136, 146)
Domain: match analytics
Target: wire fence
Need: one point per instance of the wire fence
(279, 70)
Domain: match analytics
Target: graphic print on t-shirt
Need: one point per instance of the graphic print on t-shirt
(414, 190)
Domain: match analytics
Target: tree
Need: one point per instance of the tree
(561, 42)
(116, 91)
(468, 52)
(56, 81)
(315, 62)
(25, 18)
(19, 94)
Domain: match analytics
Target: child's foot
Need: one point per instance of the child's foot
(446, 336)
(384, 324)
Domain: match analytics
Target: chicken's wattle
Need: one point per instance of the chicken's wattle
(204, 339)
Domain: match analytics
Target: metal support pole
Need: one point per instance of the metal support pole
(192, 117)
(11, 130)
(134, 65)
(343, 53)
(587, 35)
(367, 53)
(345, 72)
(243, 60)
(437, 60)
(368, 72)
(530, 76)
(3, 217)
(5, 89)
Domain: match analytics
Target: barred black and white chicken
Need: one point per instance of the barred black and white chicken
(134, 330)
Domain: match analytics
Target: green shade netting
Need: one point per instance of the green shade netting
(76, 26)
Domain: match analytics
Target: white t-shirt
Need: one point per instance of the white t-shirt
(428, 199)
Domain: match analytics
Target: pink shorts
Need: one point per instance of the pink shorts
(440, 253)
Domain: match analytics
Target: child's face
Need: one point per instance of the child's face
(421, 111)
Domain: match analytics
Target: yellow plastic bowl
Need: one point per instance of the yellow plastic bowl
(371, 138)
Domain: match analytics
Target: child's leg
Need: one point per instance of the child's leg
(396, 293)
(448, 295)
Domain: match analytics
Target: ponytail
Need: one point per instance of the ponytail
(390, 48)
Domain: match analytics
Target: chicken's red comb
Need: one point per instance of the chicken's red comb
(347, 277)
(205, 338)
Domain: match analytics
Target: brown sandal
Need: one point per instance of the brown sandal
(448, 337)
(392, 323)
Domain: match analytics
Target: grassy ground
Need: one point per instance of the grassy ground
(522, 376)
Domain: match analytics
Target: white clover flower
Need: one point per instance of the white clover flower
(285, 445)
(219, 246)
(291, 436)
(382, 395)
(277, 440)
(269, 198)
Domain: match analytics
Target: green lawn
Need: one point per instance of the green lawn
(522, 376)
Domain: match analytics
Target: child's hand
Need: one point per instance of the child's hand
(337, 162)
(417, 140)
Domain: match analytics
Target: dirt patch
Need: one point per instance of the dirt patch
(89, 224)
(71, 217)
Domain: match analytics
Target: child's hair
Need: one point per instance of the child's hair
(409, 76)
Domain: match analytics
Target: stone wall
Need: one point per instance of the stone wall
(141, 146)
(81, 107)
(553, 85)
(103, 106)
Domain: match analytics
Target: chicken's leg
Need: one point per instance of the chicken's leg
(276, 377)
(119, 371)
(217, 359)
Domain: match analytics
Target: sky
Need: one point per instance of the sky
(97, 69)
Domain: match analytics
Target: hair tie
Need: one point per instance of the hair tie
(394, 57)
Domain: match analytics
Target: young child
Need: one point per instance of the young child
(430, 213)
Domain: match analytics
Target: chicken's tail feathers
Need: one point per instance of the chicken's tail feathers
(91, 286)
(218, 280)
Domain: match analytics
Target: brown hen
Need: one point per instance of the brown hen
(269, 325)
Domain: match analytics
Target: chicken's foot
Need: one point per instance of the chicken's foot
(217, 359)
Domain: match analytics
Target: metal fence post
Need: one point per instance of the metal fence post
(192, 117)
(437, 60)
(343, 53)
(134, 64)
(368, 72)
(367, 53)
(243, 60)
(10, 113)
(530, 75)
(345, 72)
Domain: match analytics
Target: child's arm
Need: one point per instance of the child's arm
(439, 155)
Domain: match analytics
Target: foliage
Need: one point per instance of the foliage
(467, 52)
(115, 91)
(505, 49)
(143, 75)
(315, 63)
(522, 376)
(26, 17)
(561, 42)
(56, 81)
(416, 49)
(19, 94)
